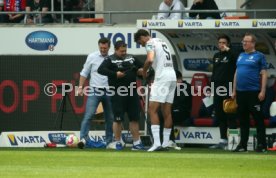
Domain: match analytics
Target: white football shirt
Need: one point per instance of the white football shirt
(163, 62)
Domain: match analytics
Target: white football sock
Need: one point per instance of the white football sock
(166, 137)
(155, 129)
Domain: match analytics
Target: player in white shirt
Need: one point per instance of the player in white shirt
(163, 87)
(173, 5)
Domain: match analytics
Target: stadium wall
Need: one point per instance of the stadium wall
(33, 56)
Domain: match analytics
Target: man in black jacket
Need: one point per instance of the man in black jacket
(121, 70)
(223, 73)
(205, 5)
(182, 103)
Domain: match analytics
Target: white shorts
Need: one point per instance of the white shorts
(162, 92)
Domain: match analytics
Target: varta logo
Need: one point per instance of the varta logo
(180, 23)
(144, 23)
(25, 139)
(176, 134)
(267, 24)
(202, 47)
(254, 23)
(217, 23)
(156, 24)
(193, 24)
(182, 47)
(197, 135)
(226, 24)
(12, 139)
(230, 24)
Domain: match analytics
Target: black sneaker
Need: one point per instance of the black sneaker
(261, 149)
(240, 148)
(80, 145)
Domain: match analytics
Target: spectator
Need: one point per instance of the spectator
(38, 6)
(182, 103)
(173, 5)
(1, 9)
(205, 5)
(97, 83)
(121, 70)
(67, 6)
(224, 68)
(163, 87)
(88, 5)
(250, 88)
(13, 6)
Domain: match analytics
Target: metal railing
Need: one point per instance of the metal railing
(108, 19)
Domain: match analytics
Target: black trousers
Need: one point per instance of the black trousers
(225, 120)
(126, 104)
(249, 103)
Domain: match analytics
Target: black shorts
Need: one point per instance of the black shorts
(126, 104)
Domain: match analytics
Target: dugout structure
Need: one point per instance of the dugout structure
(194, 43)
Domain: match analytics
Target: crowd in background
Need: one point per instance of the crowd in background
(42, 6)
(176, 5)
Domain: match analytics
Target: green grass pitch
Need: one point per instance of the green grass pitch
(189, 162)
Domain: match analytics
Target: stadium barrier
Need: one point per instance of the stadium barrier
(34, 56)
